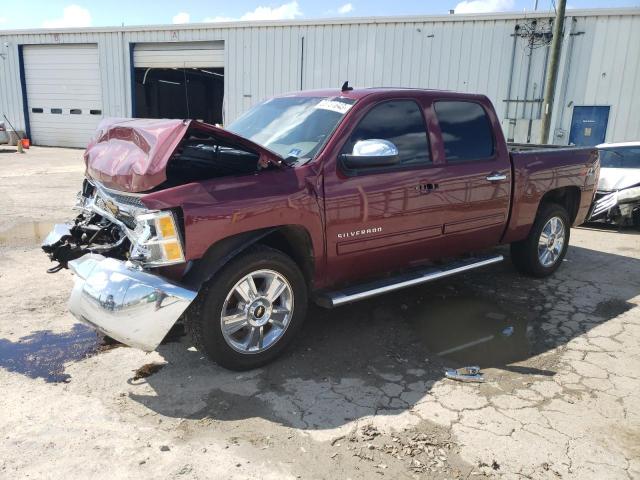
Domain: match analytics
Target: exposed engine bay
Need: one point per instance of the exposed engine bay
(201, 156)
(116, 225)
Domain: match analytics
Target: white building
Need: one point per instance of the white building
(57, 84)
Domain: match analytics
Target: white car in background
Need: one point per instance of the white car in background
(617, 200)
(4, 135)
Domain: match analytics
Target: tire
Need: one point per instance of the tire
(264, 325)
(528, 256)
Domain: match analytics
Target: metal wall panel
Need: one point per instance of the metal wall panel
(465, 53)
(179, 54)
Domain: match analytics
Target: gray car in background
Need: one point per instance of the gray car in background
(617, 200)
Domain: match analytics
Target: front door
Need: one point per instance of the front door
(382, 218)
(589, 125)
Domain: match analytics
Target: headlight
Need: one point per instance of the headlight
(157, 240)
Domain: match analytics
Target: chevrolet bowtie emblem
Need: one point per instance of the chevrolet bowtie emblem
(113, 208)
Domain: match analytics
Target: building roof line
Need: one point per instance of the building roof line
(597, 12)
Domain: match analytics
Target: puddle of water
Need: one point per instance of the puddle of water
(25, 233)
(44, 353)
(472, 331)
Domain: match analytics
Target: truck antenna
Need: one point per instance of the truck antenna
(346, 87)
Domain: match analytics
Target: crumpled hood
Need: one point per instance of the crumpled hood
(618, 178)
(131, 155)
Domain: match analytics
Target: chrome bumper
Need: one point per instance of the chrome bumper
(133, 306)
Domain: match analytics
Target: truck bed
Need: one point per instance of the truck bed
(525, 147)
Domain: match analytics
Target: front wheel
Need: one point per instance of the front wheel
(250, 311)
(542, 252)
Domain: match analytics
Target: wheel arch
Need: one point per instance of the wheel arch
(293, 240)
(568, 197)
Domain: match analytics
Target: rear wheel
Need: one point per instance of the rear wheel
(248, 314)
(542, 252)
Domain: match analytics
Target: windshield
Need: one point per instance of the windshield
(621, 157)
(293, 127)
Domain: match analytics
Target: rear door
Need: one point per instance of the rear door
(476, 184)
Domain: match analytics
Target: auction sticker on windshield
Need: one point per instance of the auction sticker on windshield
(338, 106)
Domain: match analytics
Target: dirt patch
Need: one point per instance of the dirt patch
(25, 233)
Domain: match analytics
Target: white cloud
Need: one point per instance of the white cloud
(483, 6)
(182, 17)
(346, 8)
(3, 20)
(72, 16)
(286, 11)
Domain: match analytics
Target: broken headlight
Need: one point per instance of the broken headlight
(157, 240)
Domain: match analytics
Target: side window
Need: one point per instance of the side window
(400, 122)
(466, 131)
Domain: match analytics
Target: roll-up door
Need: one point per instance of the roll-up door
(179, 80)
(64, 95)
(179, 55)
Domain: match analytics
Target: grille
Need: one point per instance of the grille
(130, 200)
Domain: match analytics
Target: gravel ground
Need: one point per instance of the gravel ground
(360, 395)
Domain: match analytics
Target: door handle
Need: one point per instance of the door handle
(427, 187)
(496, 177)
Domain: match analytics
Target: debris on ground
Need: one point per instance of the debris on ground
(465, 374)
(369, 432)
(418, 452)
(148, 370)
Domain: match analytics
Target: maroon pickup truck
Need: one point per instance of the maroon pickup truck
(332, 195)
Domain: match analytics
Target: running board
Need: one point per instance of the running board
(367, 290)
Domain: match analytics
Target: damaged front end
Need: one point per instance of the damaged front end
(112, 247)
(116, 245)
(620, 207)
(94, 230)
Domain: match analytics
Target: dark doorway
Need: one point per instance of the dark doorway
(180, 93)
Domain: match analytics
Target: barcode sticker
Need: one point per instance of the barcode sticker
(334, 106)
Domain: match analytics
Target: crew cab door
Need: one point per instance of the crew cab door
(476, 183)
(381, 218)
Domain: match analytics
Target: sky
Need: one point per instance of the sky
(91, 13)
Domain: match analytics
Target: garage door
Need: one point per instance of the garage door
(179, 55)
(64, 95)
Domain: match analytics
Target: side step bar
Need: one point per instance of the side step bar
(367, 290)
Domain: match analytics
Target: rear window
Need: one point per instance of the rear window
(621, 157)
(466, 131)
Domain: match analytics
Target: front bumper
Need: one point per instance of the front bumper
(124, 302)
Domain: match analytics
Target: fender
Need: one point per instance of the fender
(203, 269)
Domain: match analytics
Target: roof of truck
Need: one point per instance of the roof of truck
(358, 93)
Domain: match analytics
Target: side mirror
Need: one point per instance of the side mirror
(372, 153)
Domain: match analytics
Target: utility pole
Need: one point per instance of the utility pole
(552, 73)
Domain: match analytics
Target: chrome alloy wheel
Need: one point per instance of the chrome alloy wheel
(257, 311)
(551, 242)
